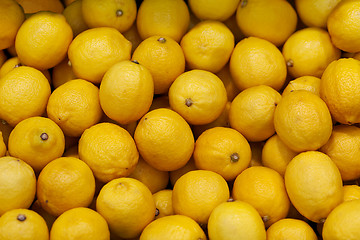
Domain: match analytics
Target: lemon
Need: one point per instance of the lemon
(225, 76)
(126, 91)
(213, 10)
(23, 224)
(197, 193)
(163, 203)
(235, 220)
(290, 229)
(309, 83)
(314, 185)
(2, 146)
(176, 174)
(302, 121)
(127, 205)
(18, 186)
(62, 73)
(33, 6)
(74, 16)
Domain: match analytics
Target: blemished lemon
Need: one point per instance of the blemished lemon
(23, 224)
(256, 61)
(153, 178)
(18, 186)
(95, 50)
(276, 155)
(343, 148)
(351, 192)
(339, 88)
(214, 9)
(33, 6)
(314, 185)
(163, 203)
(197, 193)
(12, 17)
(62, 73)
(37, 141)
(208, 46)
(309, 51)
(62, 179)
(342, 222)
(222, 150)
(309, 83)
(164, 139)
(176, 174)
(127, 205)
(126, 91)
(343, 25)
(290, 229)
(264, 189)
(80, 223)
(175, 227)
(24, 93)
(315, 13)
(252, 112)
(303, 121)
(235, 220)
(109, 150)
(108, 13)
(274, 21)
(74, 16)
(199, 96)
(164, 58)
(43, 40)
(164, 18)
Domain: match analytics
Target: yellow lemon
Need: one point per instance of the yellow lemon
(274, 21)
(126, 91)
(309, 51)
(43, 40)
(225, 76)
(176, 174)
(164, 139)
(62, 73)
(109, 150)
(264, 189)
(37, 141)
(127, 205)
(199, 96)
(303, 121)
(342, 222)
(75, 106)
(24, 93)
(208, 46)
(343, 148)
(309, 83)
(18, 184)
(276, 155)
(290, 229)
(95, 50)
(33, 6)
(80, 223)
(23, 224)
(351, 192)
(164, 18)
(109, 13)
(175, 227)
(164, 58)
(235, 220)
(315, 13)
(343, 25)
(63, 179)
(12, 17)
(74, 16)
(197, 193)
(339, 88)
(256, 61)
(163, 203)
(314, 185)
(214, 9)
(222, 150)
(153, 178)
(252, 112)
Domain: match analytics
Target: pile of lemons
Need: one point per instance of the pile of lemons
(182, 120)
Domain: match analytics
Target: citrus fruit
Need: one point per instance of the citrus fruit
(2, 146)
(74, 16)
(163, 203)
(225, 76)
(213, 10)
(33, 6)
(176, 174)
(309, 83)
(290, 229)
(62, 73)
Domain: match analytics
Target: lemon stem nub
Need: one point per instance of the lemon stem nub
(265, 218)
(162, 40)
(244, 3)
(21, 217)
(290, 63)
(135, 61)
(119, 13)
(157, 212)
(234, 157)
(44, 136)
(188, 102)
